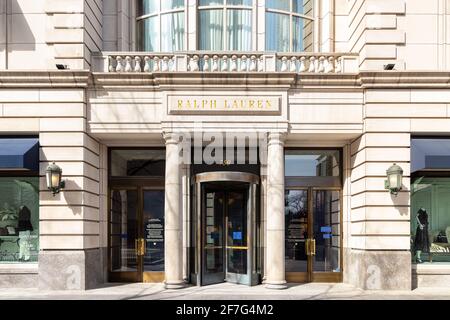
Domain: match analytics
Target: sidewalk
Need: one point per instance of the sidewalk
(226, 291)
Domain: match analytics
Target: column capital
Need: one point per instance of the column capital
(171, 137)
(277, 137)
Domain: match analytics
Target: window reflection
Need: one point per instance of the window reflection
(145, 162)
(225, 28)
(19, 219)
(312, 163)
(430, 219)
(289, 25)
(161, 25)
(296, 232)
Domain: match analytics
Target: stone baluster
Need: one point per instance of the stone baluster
(156, 61)
(321, 67)
(330, 65)
(302, 65)
(243, 63)
(206, 63)
(234, 66)
(194, 63)
(173, 66)
(339, 65)
(293, 64)
(147, 67)
(312, 64)
(225, 63)
(261, 64)
(111, 64)
(165, 64)
(284, 65)
(119, 64)
(128, 67)
(137, 64)
(215, 63)
(253, 66)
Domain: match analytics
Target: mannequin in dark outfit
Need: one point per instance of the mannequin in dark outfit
(421, 242)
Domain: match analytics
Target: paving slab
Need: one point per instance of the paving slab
(226, 291)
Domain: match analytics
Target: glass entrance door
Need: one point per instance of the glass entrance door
(136, 235)
(313, 235)
(224, 229)
(225, 239)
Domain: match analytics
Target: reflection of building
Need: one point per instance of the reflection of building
(340, 97)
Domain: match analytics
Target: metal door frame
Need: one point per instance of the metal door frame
(140, 185)
(253, 180)
(310, 275)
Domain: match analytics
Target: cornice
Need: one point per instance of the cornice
(232, 81)
(44, 79)
(405, 79)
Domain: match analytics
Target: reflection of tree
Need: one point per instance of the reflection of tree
(296, 204)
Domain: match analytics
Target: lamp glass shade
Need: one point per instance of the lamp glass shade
(53, 176)
(395, 177)
(394, 181)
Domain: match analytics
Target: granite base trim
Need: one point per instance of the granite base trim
(19, 281)
(70, 270)
(378, 270)
(431, 276)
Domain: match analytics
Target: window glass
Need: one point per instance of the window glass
(278, 4)
(145, 162)
(430, 219)
(289, 25)
(211, 30)
(248, 3)
(19, 219)
(171, 4)
(162, 31)
(296, 231)
(326, 230)
(239, 29)
(430, 154)
(154, 230)
(210, 3)
(148, 34)
(148, 7)
(312, 163)
(277, 32)
(172, 35)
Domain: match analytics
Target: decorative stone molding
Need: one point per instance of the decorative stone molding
(225, 62)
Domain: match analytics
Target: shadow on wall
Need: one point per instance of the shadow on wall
(398, 201)
(17, 35)
(71, 197)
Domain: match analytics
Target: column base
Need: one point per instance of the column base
(175, 285)
(277, 285)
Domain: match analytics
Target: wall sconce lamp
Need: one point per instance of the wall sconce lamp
(53, 175)
(394, 179)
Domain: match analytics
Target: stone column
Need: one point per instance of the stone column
(173, 215)
(275, 270)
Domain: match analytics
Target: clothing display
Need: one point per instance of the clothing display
(25, 219)
(421, 241)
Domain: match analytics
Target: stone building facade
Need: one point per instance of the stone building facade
(110, 90)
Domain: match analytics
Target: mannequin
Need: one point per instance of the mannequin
(421, 241)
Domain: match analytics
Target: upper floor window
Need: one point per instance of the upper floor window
(225, 25)
(289, 25)
(161, 25)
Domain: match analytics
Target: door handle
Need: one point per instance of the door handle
(310, 247)
(313, 247)
(140, 247)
